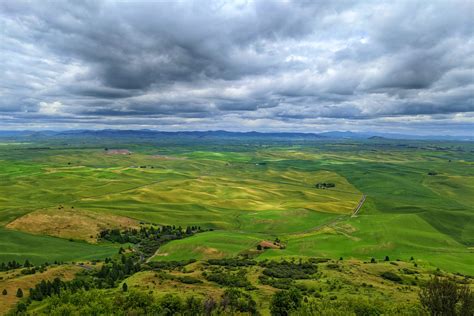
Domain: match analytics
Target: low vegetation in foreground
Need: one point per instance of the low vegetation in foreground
(127, 285)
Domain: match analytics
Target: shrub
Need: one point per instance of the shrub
(391, 276)
(238, 301)
(284, 302)
(290, 270)
(230, 279)
(446, 297)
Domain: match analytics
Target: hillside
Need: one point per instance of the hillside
(81, 199)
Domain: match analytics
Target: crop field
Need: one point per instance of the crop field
(56, 195)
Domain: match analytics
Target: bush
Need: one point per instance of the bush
(188, 280)
(237, 301)
(289, 270)
(230, 279)
(284, 302)
(446, 297)
(283, 284)
(391, 276)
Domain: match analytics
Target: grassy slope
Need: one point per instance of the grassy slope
(255, 192)
(19, 246)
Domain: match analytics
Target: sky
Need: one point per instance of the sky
(287, 66)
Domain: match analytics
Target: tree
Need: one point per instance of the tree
(284, 302)
(193, 306)
(259, 247)
(387, 258)
(19, 293)
(125, 287)
(441, 297)
(4, 292)
(209, 305)
(171, 305)
(372, 260)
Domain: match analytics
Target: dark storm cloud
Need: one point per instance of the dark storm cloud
(236, 65)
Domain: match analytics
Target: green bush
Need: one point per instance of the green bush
(391, 276)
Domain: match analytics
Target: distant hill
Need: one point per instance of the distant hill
(146, 133)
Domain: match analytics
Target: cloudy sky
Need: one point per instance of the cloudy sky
(391, 66)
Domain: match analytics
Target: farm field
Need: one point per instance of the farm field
(410, 201)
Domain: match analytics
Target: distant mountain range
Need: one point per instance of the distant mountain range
(146, 133)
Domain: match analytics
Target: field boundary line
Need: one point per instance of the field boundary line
(359, 206)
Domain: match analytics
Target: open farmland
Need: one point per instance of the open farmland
(259, 199)
(259, 192)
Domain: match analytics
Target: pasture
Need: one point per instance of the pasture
(247, 192)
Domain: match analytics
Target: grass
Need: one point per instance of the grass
(19, 246)
(70, 223)
(215, 244)
(246, 191)
(335, 280)
(13, 280)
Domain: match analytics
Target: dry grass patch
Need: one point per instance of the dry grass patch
(70, 223)
(13, 280)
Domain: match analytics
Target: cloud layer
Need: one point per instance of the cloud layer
(402, 66)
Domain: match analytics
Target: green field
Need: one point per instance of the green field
(248, 192)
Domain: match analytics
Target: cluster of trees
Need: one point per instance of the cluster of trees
(108, 276)
(148, 238)
(324, 185)
(29, 268)
(96, 302)
(11, 265)
(115, 271)
(135, 236)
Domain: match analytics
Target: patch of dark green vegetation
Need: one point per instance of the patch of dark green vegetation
(324, 185)
(282, 275)
(96, 302)
(148, 238)
(108, 276)
(229, 278)
(232, 262)
(29, 267)
(168, 265)
(289, 270)
(391, 276)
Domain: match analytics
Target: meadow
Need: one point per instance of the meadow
(252, 198)
(246, 192)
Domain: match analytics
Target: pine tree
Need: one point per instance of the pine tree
(125, 287)
(4, 292)
(19, 293)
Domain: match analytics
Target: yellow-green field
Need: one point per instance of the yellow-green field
(59, 198)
